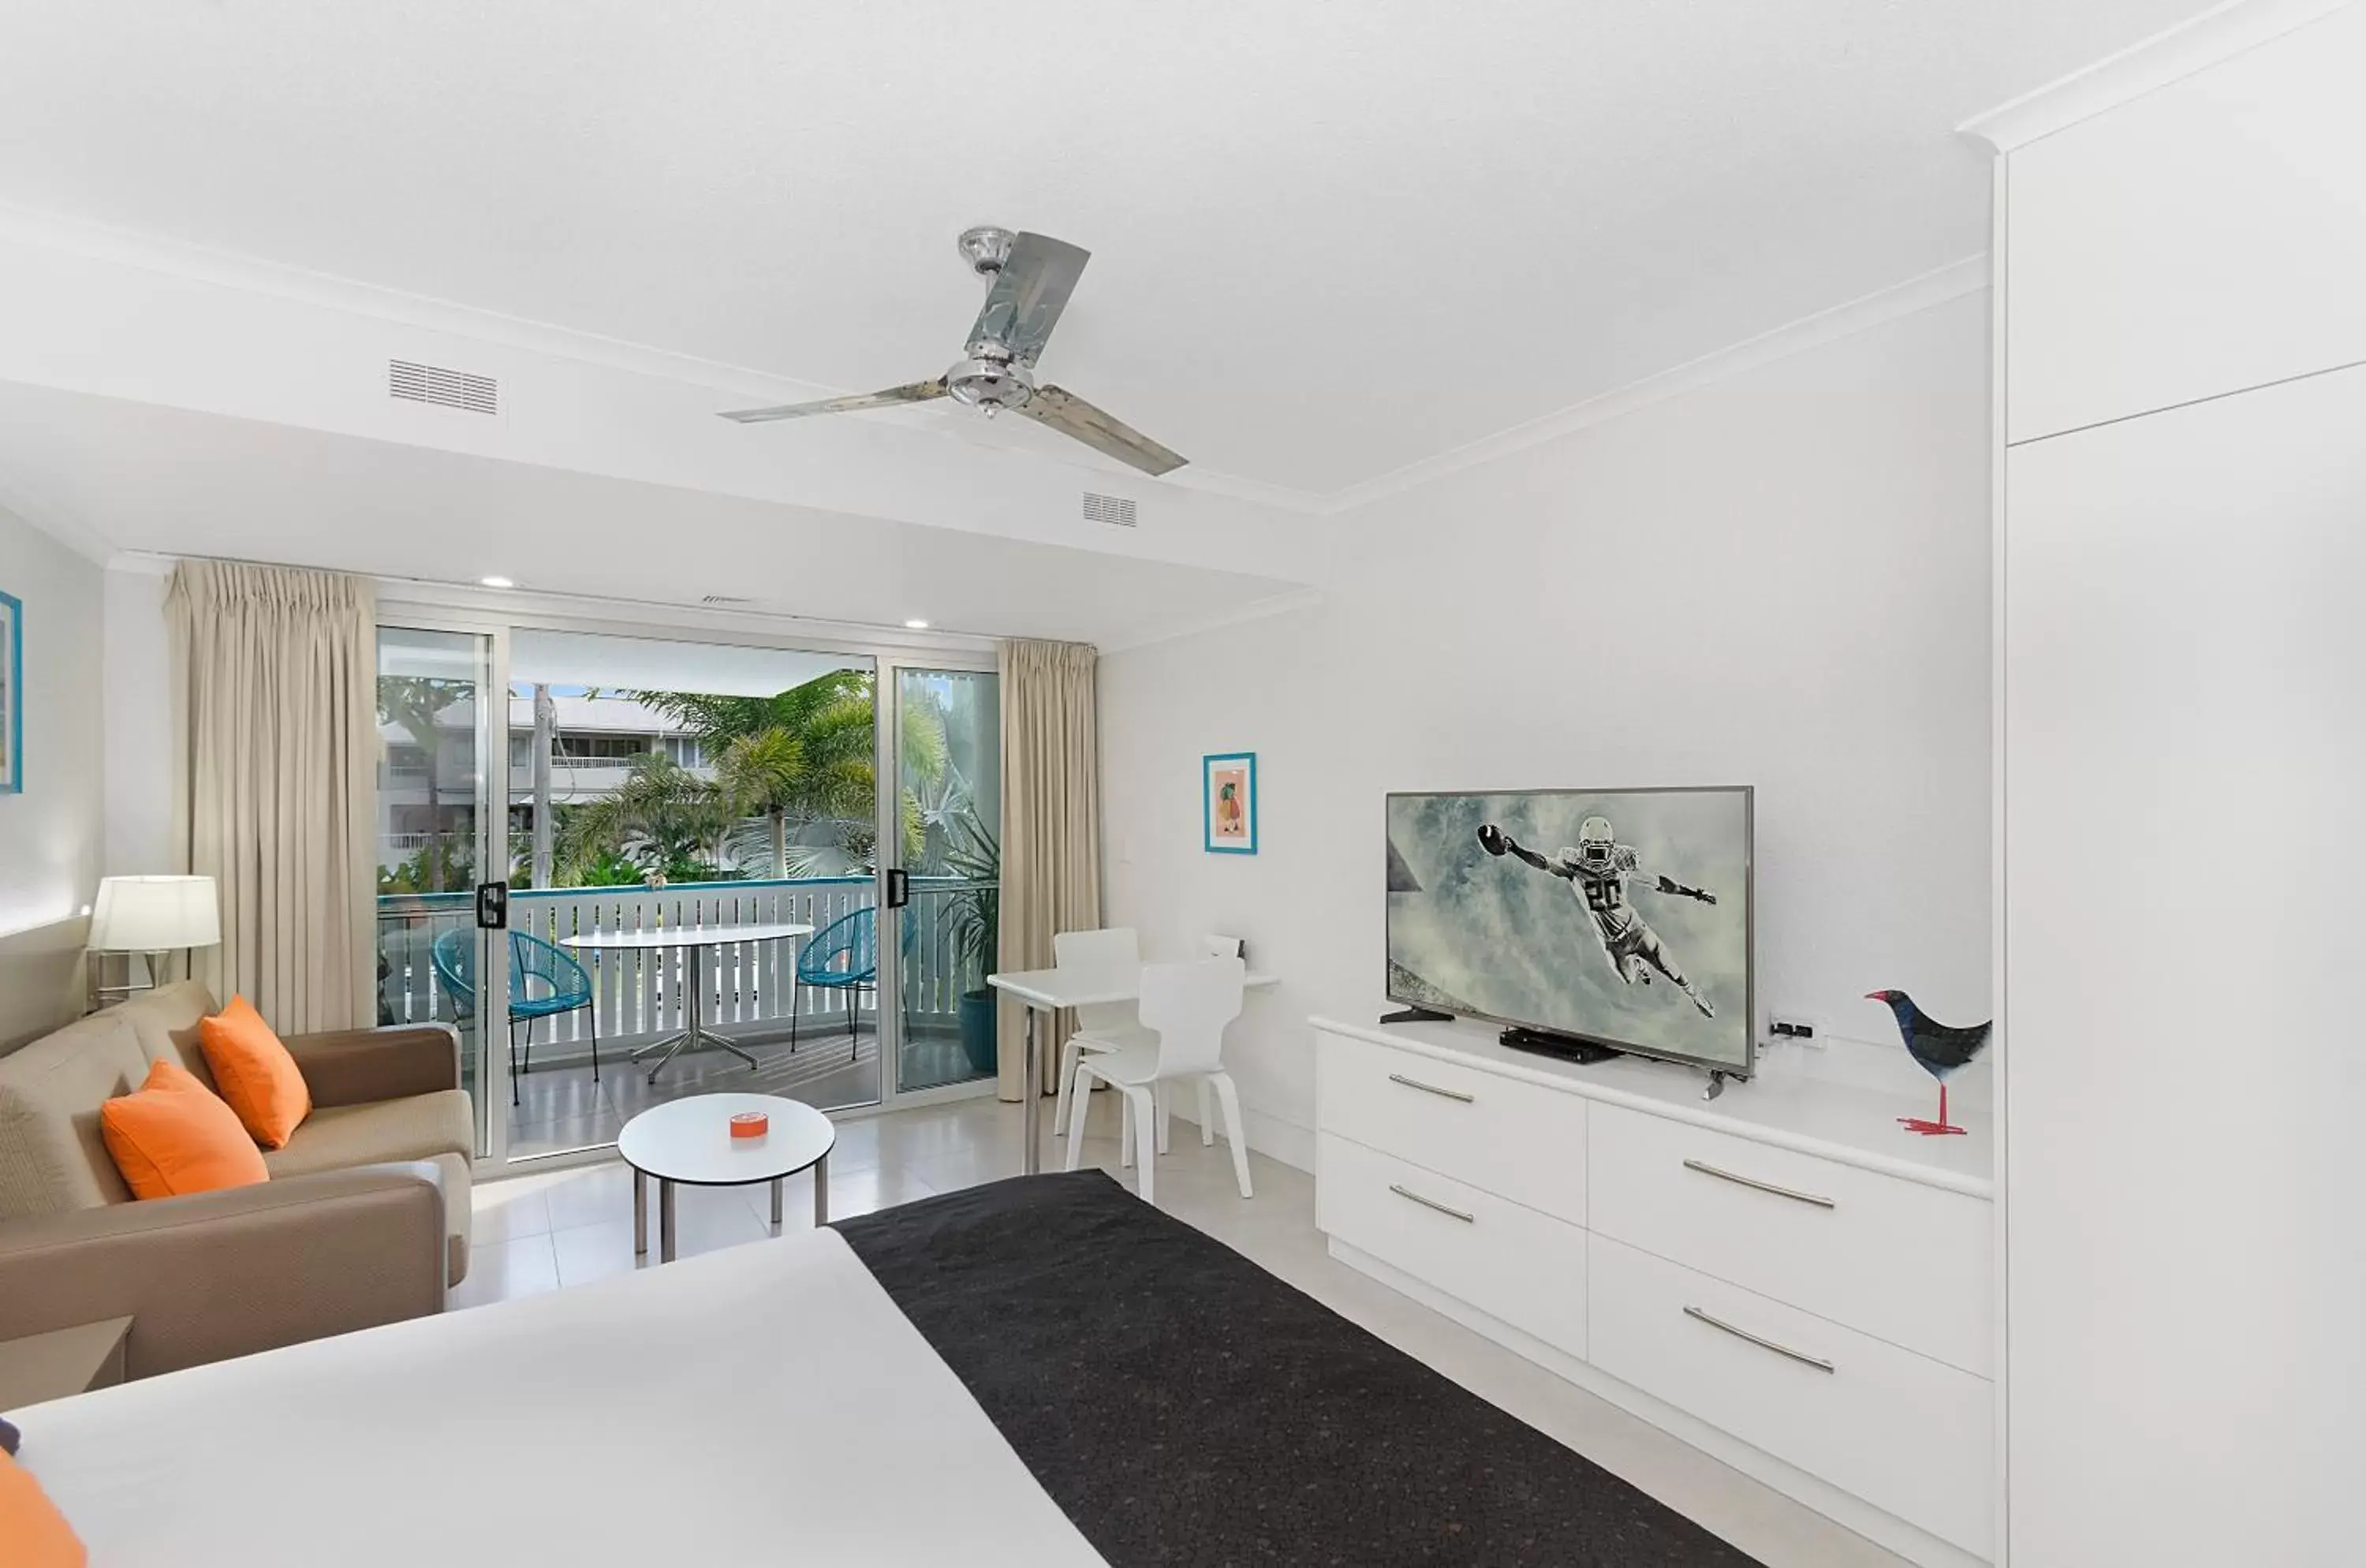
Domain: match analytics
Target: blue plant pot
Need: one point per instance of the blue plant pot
(977, 1011)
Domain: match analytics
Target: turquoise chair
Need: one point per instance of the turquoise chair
(545, 981)
(843, 956)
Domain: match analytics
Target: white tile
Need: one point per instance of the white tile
(505, 1210)
(506, 1270)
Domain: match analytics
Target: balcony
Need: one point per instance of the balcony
(640, 996)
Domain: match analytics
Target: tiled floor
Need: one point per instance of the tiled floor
(559, 1107)
(543, 1232)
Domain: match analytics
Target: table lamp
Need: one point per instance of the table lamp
(151, 915)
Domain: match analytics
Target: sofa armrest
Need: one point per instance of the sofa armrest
(221, 1274)
(361, 1066)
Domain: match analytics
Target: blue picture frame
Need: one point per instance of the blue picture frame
(12, 694)
(1234, 832)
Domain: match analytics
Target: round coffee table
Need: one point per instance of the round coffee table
(689, 1141)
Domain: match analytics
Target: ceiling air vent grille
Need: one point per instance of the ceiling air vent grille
(1115, 510)
(432, 384)
(723, 601)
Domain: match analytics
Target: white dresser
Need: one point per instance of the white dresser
(1782, 1276)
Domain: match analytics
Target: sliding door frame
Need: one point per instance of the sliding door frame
(429, 607)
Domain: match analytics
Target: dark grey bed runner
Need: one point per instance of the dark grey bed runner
(1183, 1406)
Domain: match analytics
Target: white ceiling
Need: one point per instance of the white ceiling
(1330, 238)
(142, 477)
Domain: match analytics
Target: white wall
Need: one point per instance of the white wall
(1780, 578)
(50, 834)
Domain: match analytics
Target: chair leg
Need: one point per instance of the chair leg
(1162, 1095)
(1125, 1128)
(853, 1012)
(514, 1063)
(1207, 1114)
(1144, 1117)
(1069, 1056)
(1075, 1137)
(1231, 1097)
(793, 1012)
(592, 1014)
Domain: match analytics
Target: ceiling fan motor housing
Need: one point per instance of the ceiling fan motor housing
(988, 381)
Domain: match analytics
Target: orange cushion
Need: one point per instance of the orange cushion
(36, 1534)
(175, 1136)
(255, 1073)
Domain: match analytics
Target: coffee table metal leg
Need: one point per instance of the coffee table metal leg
(665, 1221)
(640, 1215)
(776, 1200)
(1033, 1159)
(821, 1194)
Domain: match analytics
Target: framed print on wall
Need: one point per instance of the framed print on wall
(12, 695)
(1228, 807)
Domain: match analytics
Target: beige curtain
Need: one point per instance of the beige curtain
(275, 732)
(1051, 824)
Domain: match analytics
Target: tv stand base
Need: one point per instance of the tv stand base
(1418, 1015)
(1585, 1053)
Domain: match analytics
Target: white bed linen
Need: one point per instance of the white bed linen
(767, 1405)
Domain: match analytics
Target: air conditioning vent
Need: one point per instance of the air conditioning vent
(723, 601)
(1115, 510)
(442, 388)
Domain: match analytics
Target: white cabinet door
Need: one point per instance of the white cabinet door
(2185, 899)
(2204, 238)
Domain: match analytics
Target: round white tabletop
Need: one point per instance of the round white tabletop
(689, 1141)
(683, 936)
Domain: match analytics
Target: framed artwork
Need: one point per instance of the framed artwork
(1228, 806)
(12, 695)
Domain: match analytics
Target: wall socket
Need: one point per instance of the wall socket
(1798, 1028)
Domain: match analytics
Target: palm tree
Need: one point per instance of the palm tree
(798, 767)
(411, 702)
(663, 817)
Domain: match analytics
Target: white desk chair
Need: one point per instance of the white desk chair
(1185, 1006)
(1103, 1026)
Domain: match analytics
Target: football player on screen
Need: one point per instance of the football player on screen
(1597, 868)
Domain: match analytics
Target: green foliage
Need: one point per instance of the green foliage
(973, 915)
(662, 818)
(448, 869)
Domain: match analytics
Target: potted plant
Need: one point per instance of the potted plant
(974, 916)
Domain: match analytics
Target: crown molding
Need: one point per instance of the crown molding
(1916, 294)
(2208, 39)
(60, 523)
(1239, 614)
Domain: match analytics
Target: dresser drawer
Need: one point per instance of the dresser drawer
(1902, 1262)
(1905, 1433)
(1509, 1261)
(1517, 1139)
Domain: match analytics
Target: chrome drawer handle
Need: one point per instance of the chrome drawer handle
(1800, 1356)
(1432, 1203)
(1755, 1185)
(1433, 1089)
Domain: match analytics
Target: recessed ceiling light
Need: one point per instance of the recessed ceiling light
(497, 583)
(915, 625)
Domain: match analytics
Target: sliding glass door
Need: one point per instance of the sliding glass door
(948, 767)
(725, 866)
(436, 808)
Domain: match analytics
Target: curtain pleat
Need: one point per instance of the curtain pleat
(1051, 826)
(274, 747)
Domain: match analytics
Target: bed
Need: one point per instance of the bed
(1041, 1370)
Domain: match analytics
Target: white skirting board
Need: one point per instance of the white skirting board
(1285, 1142)
(1852, 1513)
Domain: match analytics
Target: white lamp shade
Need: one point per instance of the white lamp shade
(151, 914)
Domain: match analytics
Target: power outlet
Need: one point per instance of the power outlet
(1797, 1028)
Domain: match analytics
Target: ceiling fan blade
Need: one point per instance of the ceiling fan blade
(1072, 416)
(1029, 293)
(915, 392)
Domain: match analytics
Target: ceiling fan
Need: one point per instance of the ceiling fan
(1034, 275)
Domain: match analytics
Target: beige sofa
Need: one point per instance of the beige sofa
(365, 1219)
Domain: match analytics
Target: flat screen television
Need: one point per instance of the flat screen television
(1616, 917)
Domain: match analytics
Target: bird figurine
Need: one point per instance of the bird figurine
(1942, 1050)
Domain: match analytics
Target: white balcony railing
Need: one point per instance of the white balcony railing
(639, 996)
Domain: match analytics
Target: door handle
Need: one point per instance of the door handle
(899, 887)
(493, 906)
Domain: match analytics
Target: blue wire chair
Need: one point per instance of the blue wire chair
(545, 981)
(843, 956)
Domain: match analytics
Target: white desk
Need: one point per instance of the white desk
(1049, 990)
(698, 940)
